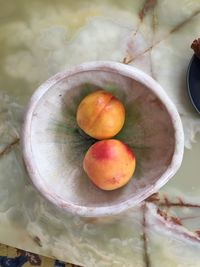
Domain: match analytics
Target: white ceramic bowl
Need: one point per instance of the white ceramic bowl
(53, 146)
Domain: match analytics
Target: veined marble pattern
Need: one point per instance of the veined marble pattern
(40, 38)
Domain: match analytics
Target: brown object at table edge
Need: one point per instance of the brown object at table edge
(196, 47)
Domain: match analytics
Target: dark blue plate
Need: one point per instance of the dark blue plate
(193, 82)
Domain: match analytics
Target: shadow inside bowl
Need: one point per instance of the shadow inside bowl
(59, 146)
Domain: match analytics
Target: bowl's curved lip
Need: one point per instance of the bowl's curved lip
(130, 72)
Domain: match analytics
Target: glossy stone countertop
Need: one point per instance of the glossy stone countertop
(40, 38)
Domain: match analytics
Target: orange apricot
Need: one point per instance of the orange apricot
(100, 115)
(110, 164)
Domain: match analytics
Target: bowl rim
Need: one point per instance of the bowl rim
(130, 72)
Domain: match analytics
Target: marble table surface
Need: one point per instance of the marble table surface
(40, 38)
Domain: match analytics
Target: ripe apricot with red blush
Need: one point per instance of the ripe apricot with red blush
(100, 115)
(109, 164)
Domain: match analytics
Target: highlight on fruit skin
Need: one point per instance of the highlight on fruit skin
(100, 115)
(109, 164)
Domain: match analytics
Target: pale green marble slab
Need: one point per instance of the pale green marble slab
(40, 38)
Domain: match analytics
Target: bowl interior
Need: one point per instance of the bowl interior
(58, 146)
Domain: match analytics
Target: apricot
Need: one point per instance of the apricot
(100, 115)
(109, 164)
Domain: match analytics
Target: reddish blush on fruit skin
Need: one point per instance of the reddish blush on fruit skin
(109, 164)
(129, 151)
(103, 151)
